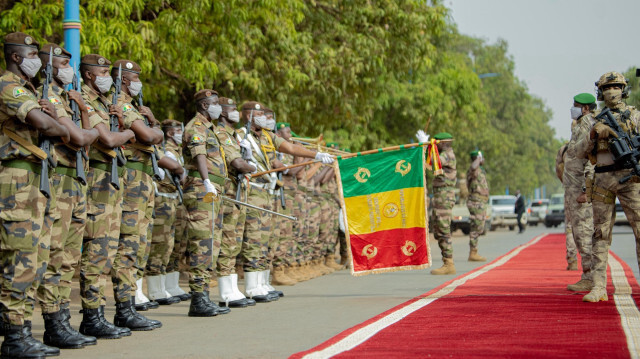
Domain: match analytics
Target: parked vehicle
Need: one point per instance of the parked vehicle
(555, 211)
(537, 211)
(460, 218)
(502, 212)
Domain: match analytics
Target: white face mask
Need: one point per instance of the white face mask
(135, 87)
(575, 112)
(30, 67)
(65, 75)
(271, 124)
(234, 116)
(260, 121)
(177, 137)
(104, 83)
(214, 111)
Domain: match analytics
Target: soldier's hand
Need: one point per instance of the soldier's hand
(602, 131)
(116, 110)
(48, 108)
(77, 97)
(422, 136)
(145, 111)
(324, 157)
(179, 171)
(210, 187)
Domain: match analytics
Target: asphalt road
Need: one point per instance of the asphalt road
(310, 313)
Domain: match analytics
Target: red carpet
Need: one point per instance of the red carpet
(514, 307)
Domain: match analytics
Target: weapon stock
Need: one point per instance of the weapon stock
(154, 157)
(45, 143)
(81, 154)
(113, 121)
(624, 148)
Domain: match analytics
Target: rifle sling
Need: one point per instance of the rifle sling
(35, 150)
(106, 150)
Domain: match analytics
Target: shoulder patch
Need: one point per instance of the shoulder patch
(228, 141)
(90, 108)
(19, 91)
(54, 100)
(196, 139)
(127, 107)
(197, 123)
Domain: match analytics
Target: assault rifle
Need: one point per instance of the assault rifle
(280, 157)
(75, 117)
(119, 160)
(45, 143)
(154, 156)
(625, 148)
(243, 152)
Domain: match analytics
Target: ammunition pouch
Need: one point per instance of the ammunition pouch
(600, 194)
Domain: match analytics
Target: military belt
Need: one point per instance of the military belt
(24, 165)
(105, 167)
(213, 178)
(66, 171)
(609, 168)
(138, 166)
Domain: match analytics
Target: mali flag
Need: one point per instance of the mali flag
(385, 210)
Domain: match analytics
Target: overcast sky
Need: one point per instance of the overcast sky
(560, 48)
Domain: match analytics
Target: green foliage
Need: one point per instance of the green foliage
(366, 74)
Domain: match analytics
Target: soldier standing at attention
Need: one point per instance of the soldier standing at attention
(576, 169)
(477, 203)
(66, 234)
(570, 243)
(612, 88)
(22, 206)
(443, 200)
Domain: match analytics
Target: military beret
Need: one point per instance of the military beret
(127, 65)
(294, 134)
(281, 125)
(21, 39)
(252, 105)
(584, 98)
(267, 110)
(203, 94)
(225, 101)
(56, 50)
(332, 144)
(95, 60)
(474, 153)
(443, 136)
(171, 123)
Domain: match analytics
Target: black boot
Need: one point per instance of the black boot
(142, 307)
(184, 297)
(56, 333)
(126, 316)
(125, 332)
(47, 350)
(16, 344)
(200, 306)
(93, 325)
(155, 323)
(221, 310)
(167, 301)
(152, 304)
(251, 302)
(86, 340)
(275, 294)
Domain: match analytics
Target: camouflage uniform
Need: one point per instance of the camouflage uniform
(313, 221)
(68, 227)
(570, 243)
(203, 242)
(443, 201)
(22, 206)
(477, 203)
(179, 241)
(302, 213)
(285, 252)
(104, 211)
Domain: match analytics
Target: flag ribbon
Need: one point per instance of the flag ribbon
(433, 157)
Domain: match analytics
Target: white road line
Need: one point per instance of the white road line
(629, 314)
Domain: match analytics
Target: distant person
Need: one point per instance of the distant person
(519, 210)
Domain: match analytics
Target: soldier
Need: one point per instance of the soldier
(104, 200)
(66, 239)
(612, 88)
(238, 156)
(163, 233)
(206, 174)
(24, 252)
(443, 201)
(477, 203)
(570, 243)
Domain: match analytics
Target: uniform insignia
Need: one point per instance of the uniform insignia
(196, 139)
(230, 102)
(90, 108)
(57, 51)
(19, 91)
(54, 100)
(208, 93)
(257, 106)
(197, 123)
(127, 107)
(101, 61)
(228, 141)
(28, 40)
(129, 65)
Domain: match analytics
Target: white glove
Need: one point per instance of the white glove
(422, 136)
(324, 157)
(255, 167)
(341, 222)
(248, 153)
(480, 155)
(210, 188)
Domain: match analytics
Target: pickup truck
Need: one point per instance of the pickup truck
(555, 211)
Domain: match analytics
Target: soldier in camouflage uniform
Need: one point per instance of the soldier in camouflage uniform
(66, 235)
(612, 88)
(570, 243)
(25, 246)
(206, 173)
(443, 201)
(477, 203)
(238, 161)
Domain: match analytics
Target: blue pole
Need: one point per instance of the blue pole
(72, 25)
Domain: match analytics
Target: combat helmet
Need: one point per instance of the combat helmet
(612, 78)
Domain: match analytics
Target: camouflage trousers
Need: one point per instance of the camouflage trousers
(100, 239)
(179, 240)
(137, 209)
(163, 233)
(443, 201)
(24, 242)
(328, 228)
(285, 242)
(231, 243)
(627, 193)
(257, 230)
(477, 214)
(66, 242)
(333, 225)
(274, 238)
(570, 243)
(314, 250)
(299, 227)
(579, 218)
(203, 240)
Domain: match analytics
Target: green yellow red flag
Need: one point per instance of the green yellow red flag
(385, 210)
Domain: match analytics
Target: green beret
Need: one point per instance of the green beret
(474, 153)
(584, 98)
(281, 125)
(294, 134)
(443, 136)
